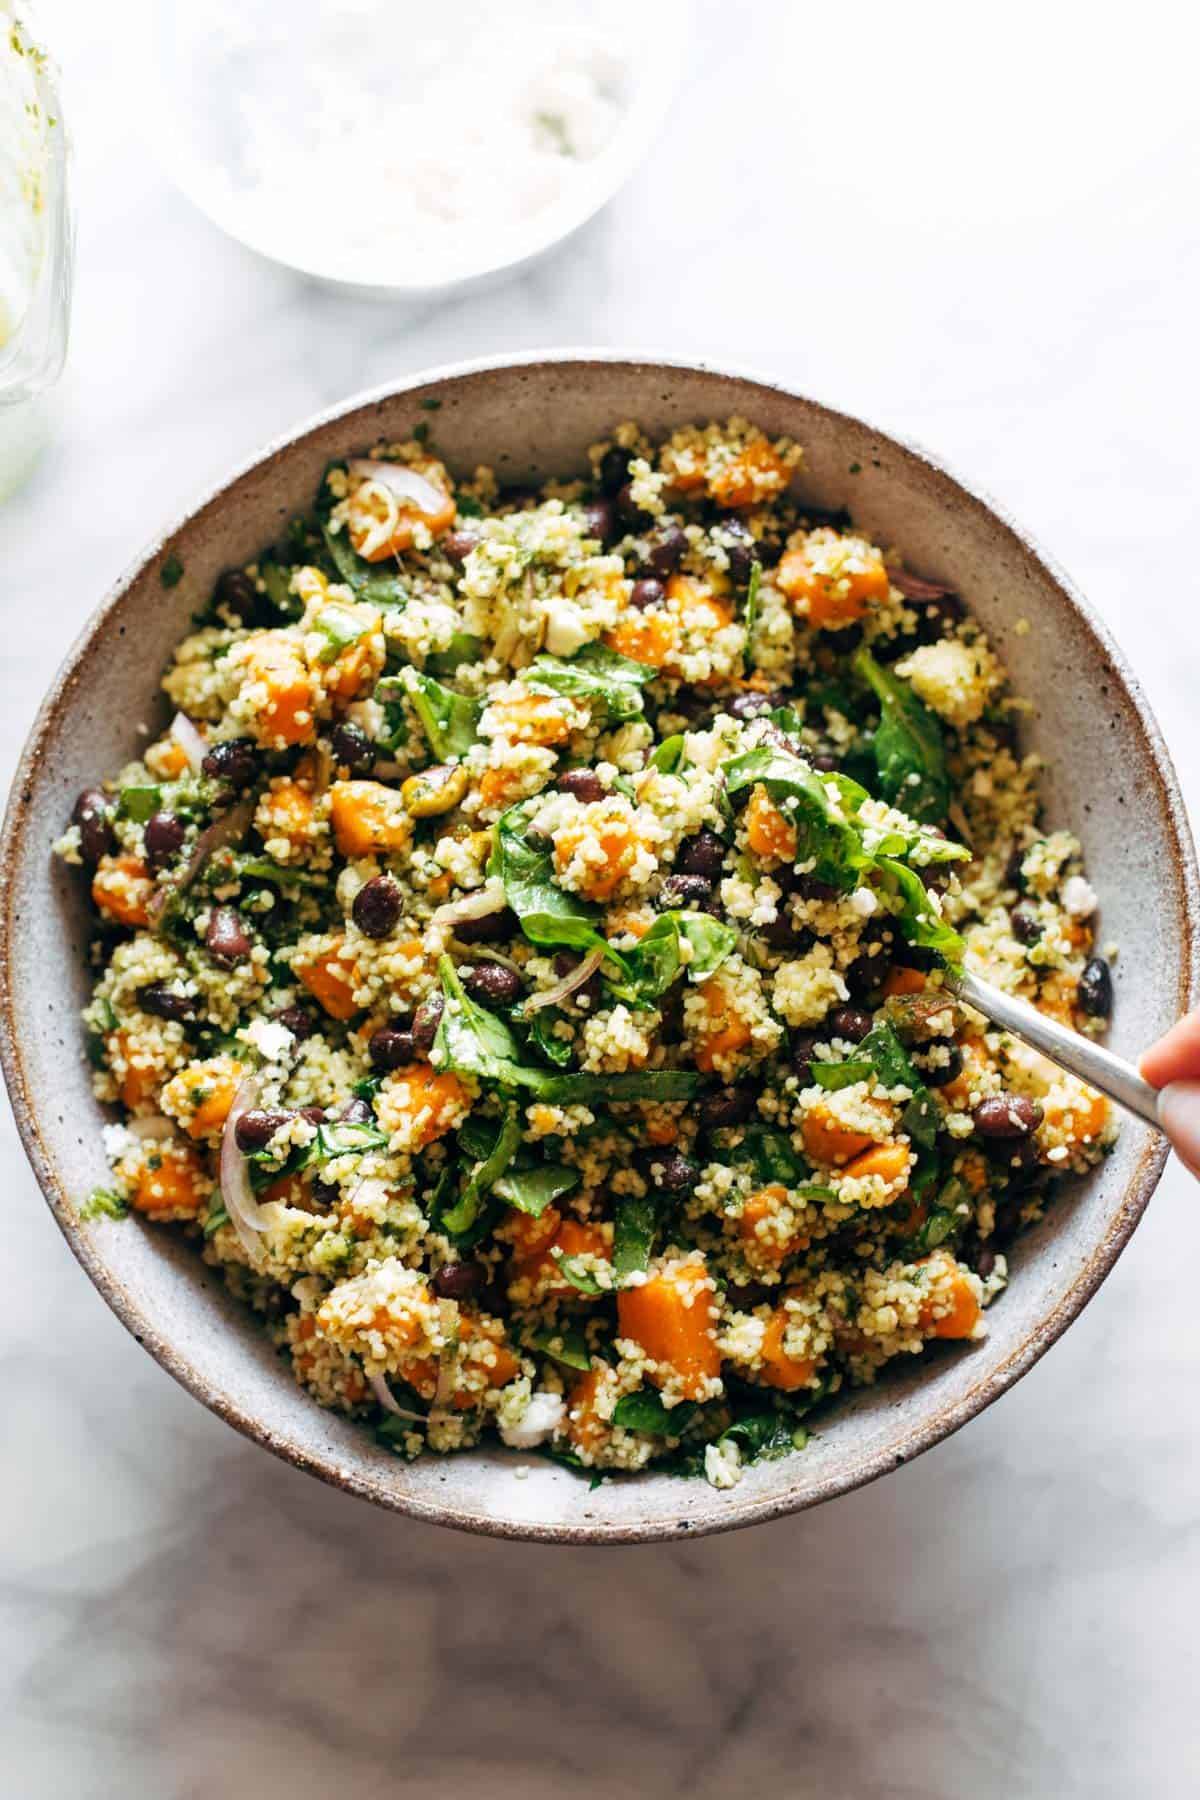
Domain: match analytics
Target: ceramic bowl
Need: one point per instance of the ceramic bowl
(1109, 778)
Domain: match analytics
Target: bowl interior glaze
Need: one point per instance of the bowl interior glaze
(1109, 779)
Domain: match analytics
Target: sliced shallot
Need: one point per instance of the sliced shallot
(400, 481)
(386, 1399)
(562, 990)
(189, 740)
(913, 587)
(245, 1213)
(488, 899)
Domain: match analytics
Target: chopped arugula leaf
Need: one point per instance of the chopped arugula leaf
(450, 720)
(565, 1344)
(634, 1230)
(644, 1411)
(533, 1190)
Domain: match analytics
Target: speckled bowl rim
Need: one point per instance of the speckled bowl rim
(925, 1431)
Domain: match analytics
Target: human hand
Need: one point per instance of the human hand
(1173, 1064)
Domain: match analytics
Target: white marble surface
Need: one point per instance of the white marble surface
(985, 237)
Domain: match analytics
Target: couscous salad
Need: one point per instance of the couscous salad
(518, 965)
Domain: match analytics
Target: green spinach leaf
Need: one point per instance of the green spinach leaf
(450, 720)
(594, 673)
(484, 1175)
(564, 1343)
(634, 1230)
(644, 1411)
(533, 1190)
(910, 754)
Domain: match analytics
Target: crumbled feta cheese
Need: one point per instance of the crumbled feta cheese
(722, 1464)
(1079, 897)
(539, 1421)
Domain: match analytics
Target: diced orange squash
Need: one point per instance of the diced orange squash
(753, 476)
(670, 1318)
(275, 662)
(585, 1428)
(1056, 997)
(1078, 1121)
(768, 832)
(724, 1032)
(167, 759)
(353, 671)
(900, 980)
(380, 523)
(759, 1227)
(951, 1309)
(421, 1103)
(619, 845)
(368, 818)
(331, 981)
(481, 1346)
(831, 600)
(496, 786)
(695, 605)
(570, 1237)
(828, 1140)
(170, 1182)
(122, 887)
(890, 1162)
(286, 811)
(779, 1370)
(531, 719)
(138, 1078)
(201, 1095)
(645, 637)
(976, 1064)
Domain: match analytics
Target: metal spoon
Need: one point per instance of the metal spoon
(1090, 1061)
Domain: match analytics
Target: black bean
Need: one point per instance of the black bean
(938, 1074)
(686, 890)
(614, 469)
(824, 762)
(488, 929)
(458, 545)
(585, 784)
(675, 1174)
(234, 761)
(646, 592)
(491, 983)
(1018, 1156)
(600, 521)
(356, 1112)
(352, 749)
(873, 959)
(426, 1020)
(255, 1129)
(518, 497)
(809, 888)
(163, 835)
(849, 1022)
(391, 1048)
(668, 547)
(325, 1193)
(227, 940)
(752, 705)
(1027, 927)
(803, 1049)
(740, 548)
(377, 906)
(164, 1003)
(236, 592)
(90, 812)
(1006, 1116)
(703, 854)
(316, 1115)
(296, 1020)
(458, 1281)
(728, 1106)
(985, 1262)
(783, 934)
(1014, 873)
(939, 617)
(629, 512)
(1096, 989)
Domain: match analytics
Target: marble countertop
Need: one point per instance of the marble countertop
(986, 242)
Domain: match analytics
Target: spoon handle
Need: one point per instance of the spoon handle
(1090, 1061)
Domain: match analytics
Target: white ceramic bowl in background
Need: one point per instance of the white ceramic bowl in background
(1109, 777)
(186, 102)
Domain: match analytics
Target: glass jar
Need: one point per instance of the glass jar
(36, 243)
